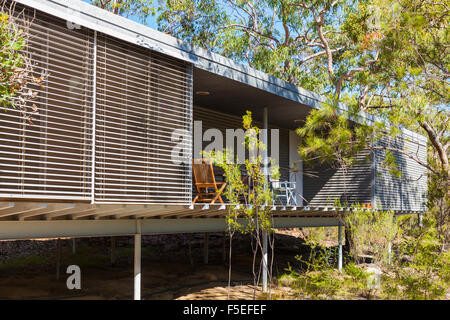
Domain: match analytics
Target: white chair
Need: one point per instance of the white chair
(284, 190)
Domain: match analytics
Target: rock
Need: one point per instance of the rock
(210, 276)
(406, 259)
(287, 280)
(373, 273)
(165, 296)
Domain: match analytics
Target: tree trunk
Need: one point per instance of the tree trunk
(348, 240)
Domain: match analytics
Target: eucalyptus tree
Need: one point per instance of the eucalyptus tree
(386, 57)
(302, 42)
(141, 9)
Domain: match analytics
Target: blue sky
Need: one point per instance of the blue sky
(151, 21)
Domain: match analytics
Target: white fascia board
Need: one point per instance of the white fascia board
(94, 18)
(16, 230)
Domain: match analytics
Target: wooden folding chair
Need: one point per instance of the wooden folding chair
(204, 179)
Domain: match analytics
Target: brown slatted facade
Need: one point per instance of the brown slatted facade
(51, 158)
(141, 97)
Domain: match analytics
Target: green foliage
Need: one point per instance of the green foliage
(352, 270)
(426, 274)
(250, 198)
(386, 57)
(22, 263)
(408, 85)
(390, 163)
(11, 60)
(17, 79)
(278, 37)
(319, 236)
(371, 232)
(328, 136)
(321, 284)
(316, 284)
(420, 269)
(140, 9)
(192, 20)
(320, 257)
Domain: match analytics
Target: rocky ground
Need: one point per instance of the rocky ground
(172, 267)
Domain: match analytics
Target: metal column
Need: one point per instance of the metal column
(137, 262)
(265, 260)
(205, 249)
(390, 245)
(266, 139)
(58, 257)
(266, 173)
(74, 246)
(113, 251)
(340, 247)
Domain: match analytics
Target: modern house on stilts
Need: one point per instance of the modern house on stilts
(120, 97)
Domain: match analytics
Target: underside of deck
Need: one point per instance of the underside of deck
(28, 220)
(36, 211)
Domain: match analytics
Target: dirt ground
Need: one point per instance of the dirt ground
(170, 270)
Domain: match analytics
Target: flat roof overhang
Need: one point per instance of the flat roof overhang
(234, 97)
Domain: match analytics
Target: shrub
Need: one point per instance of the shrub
(17, 77)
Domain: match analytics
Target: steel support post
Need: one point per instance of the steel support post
(205, 248)
(340, 247)
(58, 257)
(113, 251)
(266, 173)
(265, 261)
(137, 261)
(74, 246)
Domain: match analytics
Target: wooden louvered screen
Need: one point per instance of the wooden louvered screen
(142, 97)
(51, 158)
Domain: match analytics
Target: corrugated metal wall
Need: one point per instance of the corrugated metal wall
(327, 184)
(371, 182)
(408, 191)
(141, 98)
